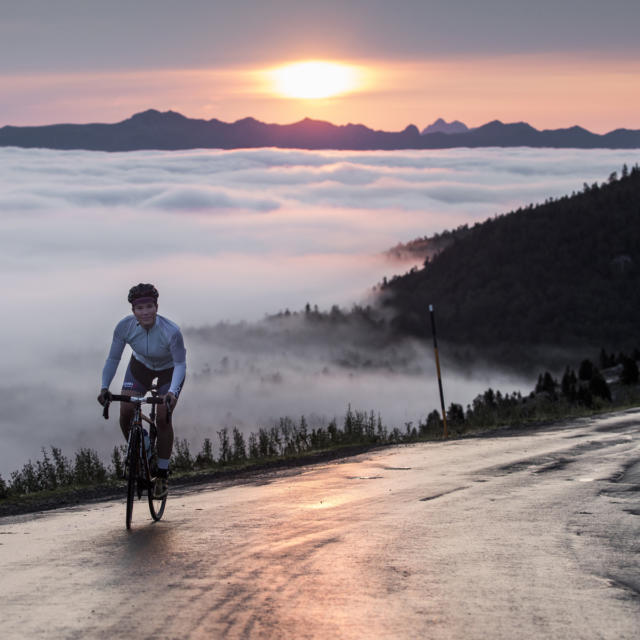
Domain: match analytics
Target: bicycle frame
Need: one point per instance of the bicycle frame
(137, 467)
(136, 426)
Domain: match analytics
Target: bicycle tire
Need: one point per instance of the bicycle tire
(156, 511)
(156, 507)
(132, 462)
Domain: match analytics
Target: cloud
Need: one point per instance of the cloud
(261, 179)
(205, 199)
(266, 230)
(246, 375)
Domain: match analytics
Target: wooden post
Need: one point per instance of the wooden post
(445, 432)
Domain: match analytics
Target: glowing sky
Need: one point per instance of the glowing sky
(553, 64)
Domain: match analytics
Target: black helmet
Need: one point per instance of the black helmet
(142, 291)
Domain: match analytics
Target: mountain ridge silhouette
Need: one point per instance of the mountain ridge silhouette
(170, 130)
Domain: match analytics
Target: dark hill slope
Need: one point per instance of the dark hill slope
(565, 274)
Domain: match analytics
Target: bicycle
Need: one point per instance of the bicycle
(138, 462)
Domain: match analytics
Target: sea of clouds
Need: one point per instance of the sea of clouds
(229, 236)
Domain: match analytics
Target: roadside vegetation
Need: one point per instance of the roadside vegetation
(611, 383)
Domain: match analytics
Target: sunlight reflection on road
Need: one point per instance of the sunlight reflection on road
(353, 550)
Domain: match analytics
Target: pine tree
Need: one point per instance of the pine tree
(455, 415)
(584, 396)
(254, 447)
(433, 426)
(225, 449)
(239, 446)
(629, 374)
(598, 386)
(586, 370)
(606, 360)
(569, 385)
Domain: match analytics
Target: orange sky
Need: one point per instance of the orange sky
(545, 90)
(552, 63)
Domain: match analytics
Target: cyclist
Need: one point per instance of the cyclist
(158, 352)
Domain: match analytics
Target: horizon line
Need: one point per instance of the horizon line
(307, 118)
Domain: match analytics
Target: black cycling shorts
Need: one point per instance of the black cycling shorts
(139, 378)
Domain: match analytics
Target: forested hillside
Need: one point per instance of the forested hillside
(565, 273)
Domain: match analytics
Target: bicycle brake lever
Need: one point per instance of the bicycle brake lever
(105, 411)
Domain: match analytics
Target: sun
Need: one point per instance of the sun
(315, 79)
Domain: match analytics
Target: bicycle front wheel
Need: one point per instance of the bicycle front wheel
(132, 463)
(156, 507)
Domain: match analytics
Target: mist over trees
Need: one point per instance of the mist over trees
(537, 285)
(565, 273)
(577, 393)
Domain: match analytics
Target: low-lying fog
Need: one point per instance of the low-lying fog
(229, 236)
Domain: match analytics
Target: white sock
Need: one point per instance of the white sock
(163, 463)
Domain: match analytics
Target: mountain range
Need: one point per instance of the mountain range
(169, 130)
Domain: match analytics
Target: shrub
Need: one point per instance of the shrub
(88, 467)
(25, 480)
(117, 462)
(205, 457)
(225, 449)
(254, 447)
(181, 459)
(64, 472)
(239, 446)
(46, 472)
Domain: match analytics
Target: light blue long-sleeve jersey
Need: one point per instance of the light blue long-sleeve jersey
(161, 347)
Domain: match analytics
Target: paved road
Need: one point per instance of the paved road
(517, 536)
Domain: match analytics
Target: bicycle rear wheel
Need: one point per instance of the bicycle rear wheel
(132, 463)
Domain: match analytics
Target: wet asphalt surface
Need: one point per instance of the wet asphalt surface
(514, 536)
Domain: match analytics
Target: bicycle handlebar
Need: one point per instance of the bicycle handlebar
(138, 399)
(133, 400)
